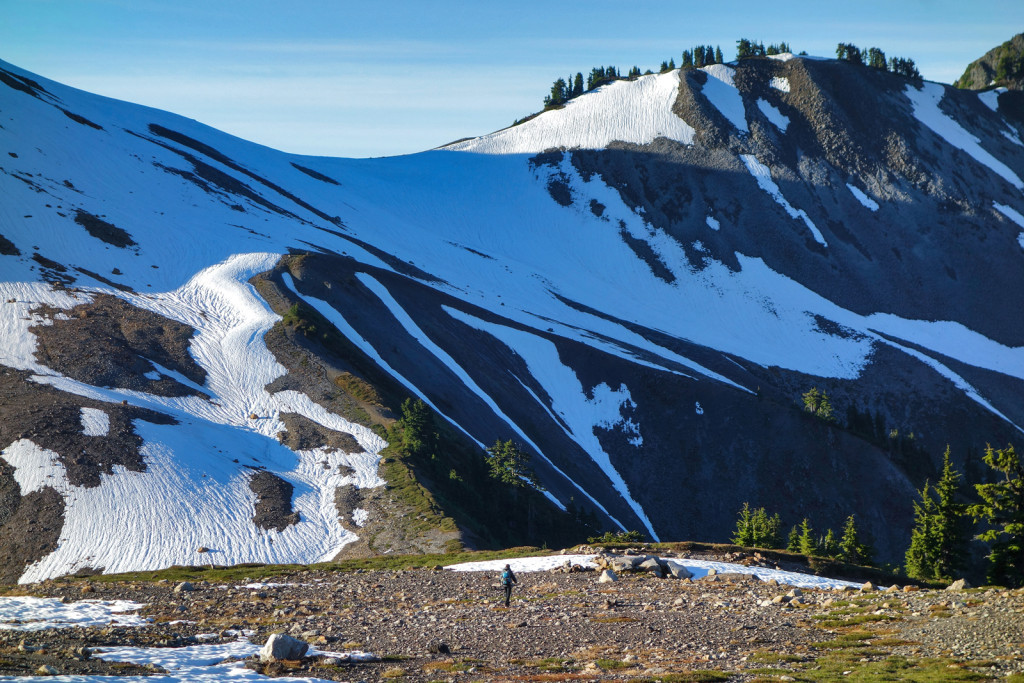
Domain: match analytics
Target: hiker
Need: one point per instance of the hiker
(508, 578)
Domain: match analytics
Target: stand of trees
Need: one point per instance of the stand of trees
(875, 58)
(942, 532)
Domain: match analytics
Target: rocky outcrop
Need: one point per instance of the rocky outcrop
(1000, 66)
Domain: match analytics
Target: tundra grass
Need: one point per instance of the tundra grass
(235, 573)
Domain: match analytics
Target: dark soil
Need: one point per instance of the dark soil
(110, 343)
(273, 501)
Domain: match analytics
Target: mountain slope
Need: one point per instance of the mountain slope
(638, 288)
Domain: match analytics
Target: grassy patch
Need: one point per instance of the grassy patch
(611, 664)
(236, 573)
(613, 620)
(700, 676)
(764, 657)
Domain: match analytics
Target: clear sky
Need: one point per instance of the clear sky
(356, 79)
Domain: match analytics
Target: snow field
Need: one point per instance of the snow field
(629, 111)
(191, 493)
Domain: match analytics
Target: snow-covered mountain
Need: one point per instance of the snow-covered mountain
(638, 288)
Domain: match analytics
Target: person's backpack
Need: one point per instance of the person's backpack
(506, 578)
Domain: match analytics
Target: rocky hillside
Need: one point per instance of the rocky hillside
(1001, 66)
(273, 358)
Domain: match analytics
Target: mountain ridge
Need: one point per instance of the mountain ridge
(642, 317)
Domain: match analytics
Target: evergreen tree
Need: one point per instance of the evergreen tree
(938, 541)
(577, 85)
(558, 94)
(755, 529)
(850, 548)
(829, 546)
(793, 540)
(744, 49)
(876, 59)
(718, 55)
(1002, 507)
(510, 465)
(818, 404)
(687, 59)
(744, 528)
(664, 67)
(699, 58)
(808, 546)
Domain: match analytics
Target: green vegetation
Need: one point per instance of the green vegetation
(938, 541)
(1002, 507)
(746, 48)
(755, 529)
(620, 537)
(449, 482)
(1007, 61)
(699, 676)
(847, 52)
(817, 403)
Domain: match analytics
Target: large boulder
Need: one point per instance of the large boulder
(677, 570)
(283, 646)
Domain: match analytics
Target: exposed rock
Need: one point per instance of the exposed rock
(282, 646)
(608, 576)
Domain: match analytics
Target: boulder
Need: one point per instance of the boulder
(283, 646)
(608, 576)
(958, 585)
(868, 587)
(184, 587)
(677, 571)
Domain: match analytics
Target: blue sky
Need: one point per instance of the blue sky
(356, 79)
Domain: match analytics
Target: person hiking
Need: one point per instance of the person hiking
(508, 578)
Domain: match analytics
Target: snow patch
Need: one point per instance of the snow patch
(862, 197)
(360, 516)
(95, 422)
(780, 83)
(721, 91)
(990, 98)
(782, 56)
(925, 103)
(713, 223)
(778, 119)
(699, 409)
(37, 614)
(763, 175)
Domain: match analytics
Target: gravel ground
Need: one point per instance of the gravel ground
(431, 625)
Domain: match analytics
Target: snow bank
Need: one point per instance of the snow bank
(771, 112)
(698, 568)
(628, 111)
